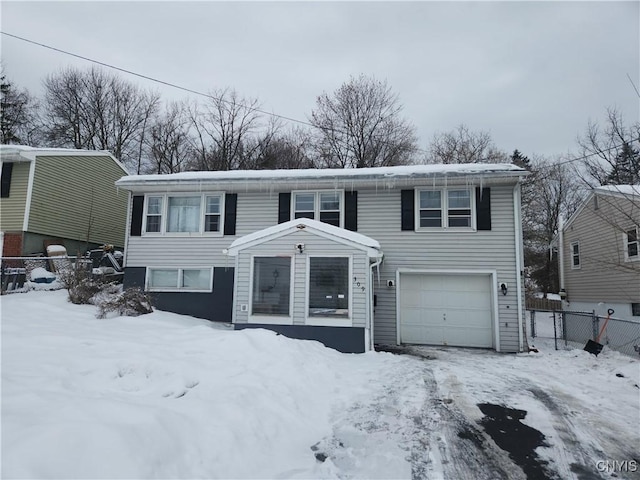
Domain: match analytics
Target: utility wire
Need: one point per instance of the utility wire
(253, 109)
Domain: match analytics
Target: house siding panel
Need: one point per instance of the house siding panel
(75, 197)
(379, 217)
(12, 208)
(604, 275)
(314, 245)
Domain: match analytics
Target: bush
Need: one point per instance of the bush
(131, 303)
(79, 281)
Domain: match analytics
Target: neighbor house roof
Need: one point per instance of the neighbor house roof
(620, 189)
(319, 228)
(24, 153)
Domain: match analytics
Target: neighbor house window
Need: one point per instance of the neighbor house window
(323, 206)
(271, 290)
(631, 244)
(329, 287)
(635, 309)
(445, 208)
(184, 213)
(575, 255)
(180, 279)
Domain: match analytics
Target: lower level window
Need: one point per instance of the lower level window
(271, 286)
(183, 279)
(635, 309)
(329, 287)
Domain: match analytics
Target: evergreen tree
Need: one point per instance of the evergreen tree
(17, 119)
(626, 168)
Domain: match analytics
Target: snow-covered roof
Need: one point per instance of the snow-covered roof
(621, 189)
(24, 153)
(314, 226)
(331, 174)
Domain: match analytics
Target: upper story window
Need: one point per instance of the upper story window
(631, 244)
(451, 208)
(575, 255)
(183, 213)
(325, 206)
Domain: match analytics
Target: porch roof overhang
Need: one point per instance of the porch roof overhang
(321, 229)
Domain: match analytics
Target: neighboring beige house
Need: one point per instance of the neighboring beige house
(600, 254)
(60, 196)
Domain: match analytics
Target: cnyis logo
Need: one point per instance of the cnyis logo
(613, 466)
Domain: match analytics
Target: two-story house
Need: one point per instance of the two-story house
(61, 196)
(427, 254)
(599, 253)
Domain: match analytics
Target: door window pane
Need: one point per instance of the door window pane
(271, 286)
(329, 286)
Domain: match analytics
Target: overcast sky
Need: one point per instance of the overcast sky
(530, 73)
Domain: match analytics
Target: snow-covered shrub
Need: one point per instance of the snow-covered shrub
(131, 303)
(81, 284)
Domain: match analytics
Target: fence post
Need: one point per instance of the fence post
(555, 333)
(532, 314)
(564, 327)
(594, 325)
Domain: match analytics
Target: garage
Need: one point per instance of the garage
(446, 309)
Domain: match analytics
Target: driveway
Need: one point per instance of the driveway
(548, 415)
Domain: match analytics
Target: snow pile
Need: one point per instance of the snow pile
(168, 396)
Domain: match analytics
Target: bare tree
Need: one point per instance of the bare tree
(464, 146)
(289, 150)
(359, 125)
(612, 152)
(19, 115)
(168, 143)
(557, 194)
(225, 128)
(93, 109)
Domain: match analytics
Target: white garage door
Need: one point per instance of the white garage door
(445, 309)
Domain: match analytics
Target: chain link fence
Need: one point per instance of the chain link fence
(18, 274)
(574, 329)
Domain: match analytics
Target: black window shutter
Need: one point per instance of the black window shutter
(136, 215)
(230, 207)
(284, 207)
(351, 211)
(5, 182)
(483, 208)
(408, 209)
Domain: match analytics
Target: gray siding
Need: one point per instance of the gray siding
(314, 245)
(12, 208)
(378, 218)
(603, 276)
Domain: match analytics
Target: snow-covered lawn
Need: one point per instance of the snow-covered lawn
(168, 396)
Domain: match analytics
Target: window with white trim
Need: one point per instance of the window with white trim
(631, 244)
(329, 287)
(575, 255)
(168, 279)
(325, 206)
(450, 208)
(178, 214)
(271, 291)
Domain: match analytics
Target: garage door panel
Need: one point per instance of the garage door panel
(446, 309)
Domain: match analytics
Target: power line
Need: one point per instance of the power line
(253, 109)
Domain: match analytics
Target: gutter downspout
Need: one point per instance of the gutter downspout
(519, 260)
(370, 302)
(561, 253)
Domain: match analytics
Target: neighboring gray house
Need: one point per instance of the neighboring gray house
(427, 254)
(599, 253)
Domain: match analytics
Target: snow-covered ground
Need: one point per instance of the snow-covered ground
(168, 396)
